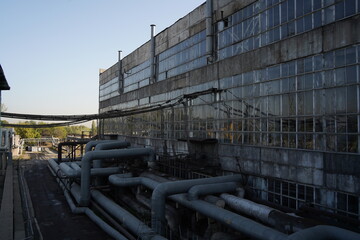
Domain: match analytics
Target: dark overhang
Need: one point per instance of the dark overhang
(3, 83)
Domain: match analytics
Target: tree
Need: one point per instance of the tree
(28, 132)
(93, 128)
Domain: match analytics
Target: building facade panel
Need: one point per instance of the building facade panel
(280, 95)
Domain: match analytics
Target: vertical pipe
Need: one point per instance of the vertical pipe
(152, 54)
(120, 77)
(209, 30)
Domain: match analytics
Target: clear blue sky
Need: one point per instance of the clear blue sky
(51, 51)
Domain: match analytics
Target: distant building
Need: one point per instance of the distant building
(269, 89)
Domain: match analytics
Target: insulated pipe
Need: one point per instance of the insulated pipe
(152, 54)
(118, 153)
(128, 220)
(107, 146)
(74, 173)
(120, 181)
(205, 189)
(270, 216)
(209, 28)
(258, 211)
(322, 232)
(79, 210)
(239, 223)
(166, 189)
(93, 143)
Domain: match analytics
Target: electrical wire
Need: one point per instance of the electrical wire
(77, 119)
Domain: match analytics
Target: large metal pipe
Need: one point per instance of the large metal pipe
(84, 210)
(128, 220)
(75, 173)
(322, 232)
(166, 189)
(92, 144)
(107, 146)
(198, 190)
(148, 153)
(270, 216)
(152, 54)
(230, 219)
(227, 218)
(209, 29)
(248, 207)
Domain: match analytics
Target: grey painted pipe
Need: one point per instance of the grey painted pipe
(198, 190)
(230, 219)
(120, 181)
(166, 189)
(322, 232)
(93, 144)
(79, 210)
(107, 146)
(112, 145)
(118, 153)
(128, 220)
(253, 209)
(209, 28)
(72, 173)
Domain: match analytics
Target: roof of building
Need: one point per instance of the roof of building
(3, 83)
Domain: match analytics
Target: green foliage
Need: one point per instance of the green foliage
(28, 132)
(58, 132)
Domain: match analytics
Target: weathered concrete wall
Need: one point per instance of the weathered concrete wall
(340, 172)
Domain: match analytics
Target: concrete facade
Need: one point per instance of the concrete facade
(313, 158)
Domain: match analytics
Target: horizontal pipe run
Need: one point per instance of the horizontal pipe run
(90, 145)
(248, 207)
(205, 189)
(148, 153)
(166, 189)
(128, 220)
(72, 173)
(230, 219)
(112, 145)
(322, 232)
(79, 210)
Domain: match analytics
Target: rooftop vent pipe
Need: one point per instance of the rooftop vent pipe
(152, 54)
(209, 30)
(120, 77)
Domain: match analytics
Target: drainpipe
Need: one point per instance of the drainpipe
(118, 153)
(209, 31)
(205, 189)
(152, 54)
(163, 190)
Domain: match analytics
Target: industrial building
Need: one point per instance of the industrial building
(267, 89)
(239, 121)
